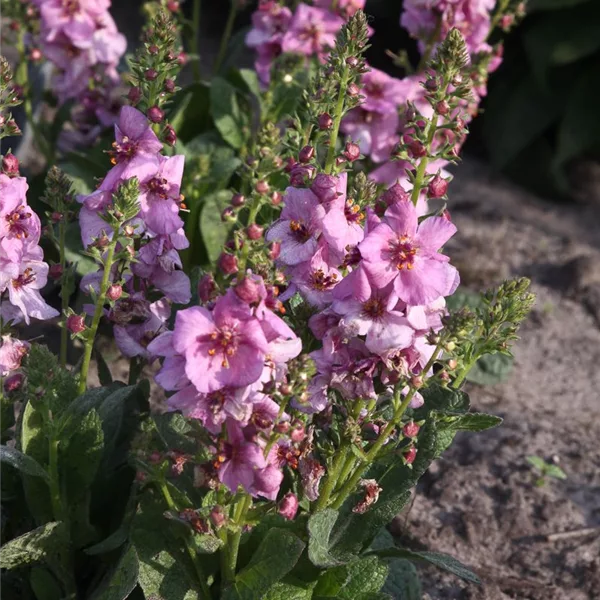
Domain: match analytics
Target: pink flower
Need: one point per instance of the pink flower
(288, 507)
(238, 460)
(312, 31)
(12, 352)
(375, 133)
(225, 347)
(402, 251)
(298, 226)
(133, 136)
(383, 93)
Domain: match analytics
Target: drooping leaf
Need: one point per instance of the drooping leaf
(351, 581)
(442, 561)
(120, 581)
(403, 581)
(320, 526)
(214, 231)
(22, 462)
(275, 558)
(225, 110)
(104, 374)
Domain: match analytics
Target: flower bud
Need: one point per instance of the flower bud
(411, 429)
(417, 149)
(274, 250)
(395, 194)
(173, 6)
(217, 516)
(288, 507)
(306, 154)
(248, 290)
(298, 432)
(352, 151)
(228, 215)
(276, 198)
(153, 50)
(75, 323)
(181, 58)
(169, 86)
(353, 90)
(452, 364)
(431, 85)
(417, 381)
(10, 165)
(206, 287)
(150, 74)
(237, 200)
(437, 187)
(114, 292)
(352, 61)
(409, 455)
(55, 271)
(325, 121)
(134, 95)
(228, 263)
(35, 55)
(262, 187)
(286, 389)
(155, 114)
(13, 383)
(169, 135)
(254, 231)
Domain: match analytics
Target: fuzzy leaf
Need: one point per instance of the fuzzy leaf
(121, 580)
(275, 558)
(403, 581)
(351, 581)
(34, 546)
(491, 369)
(226, 112)
(477, 422)
(288, 591)
(442, 561)
(22, 462)
(104, 374)
(214, 231)
(320, 526)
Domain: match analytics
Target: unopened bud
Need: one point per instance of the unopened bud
(13, 383)
(306, 154)
(10, 165)
(248, 290)
(75, 323)
(262, 187)
(437, 187)
(254, 231)
(217, 516)
(228, 263)
(169, 86)
(452, 364)
(151, 74)
(276, 198)
(114, 292)
(155, 114)
(298, 432)
(237, 200)
(35, 55)
(228, 215)
(182, 58)
(409, 455)
(134, 95)
(173, 6)
(325, 121)
(411, 429)
(417, 381)
(353, 90)
(352, 151)
(206, 287)
(55, 271)
(417, 149)
(274, 250)
(169, 135)
(352, 61)
(431, 85)
(442, 107)
(288, 507)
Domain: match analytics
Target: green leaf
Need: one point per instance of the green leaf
(173, 429)
(556, 472)
(162, 563)
(35, 546)
(491, 369)
(446, 400)
(190, 111)
(288, 591)
(562, 37)
(226, 113)
(121, 580)
(477, 422)
(442, 561)
(206, 544)
(44, 584)
(250, 79)
(22, 462)
(275, 558)
(320, 526)
(403, 581)
(351, 581)
(214, 231)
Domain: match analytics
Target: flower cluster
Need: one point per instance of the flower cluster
(155, 226)
(308, 31)
(82, 41)
(226, 361)
(23, 272)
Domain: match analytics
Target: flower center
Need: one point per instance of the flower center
(374, 89)
(123, 150)
(216, 401)
(16, 222)
(352, 212)
(299, 231)
(70, 7)
(158, 186)
(373, 308)
(321, 282)
(225, 343)
(25, 278)
(403, 252)
(310, 32)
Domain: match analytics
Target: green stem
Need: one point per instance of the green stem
(337, 119)
(464, 372)
(54, 477)
(349, 487)
(226, 35)
(190, 550)
(64, 334)
(332, 478)
(194, 38)
(100, 301)
(254, 210)
(422, 168)
(241, 508)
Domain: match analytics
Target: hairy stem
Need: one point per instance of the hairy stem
(337, 119)
(240, 511)
(64, 334)
(100, 301)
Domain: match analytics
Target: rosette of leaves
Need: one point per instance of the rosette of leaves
(540, 116)
(68, 490)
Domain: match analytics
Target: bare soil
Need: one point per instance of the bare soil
(480, 502)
